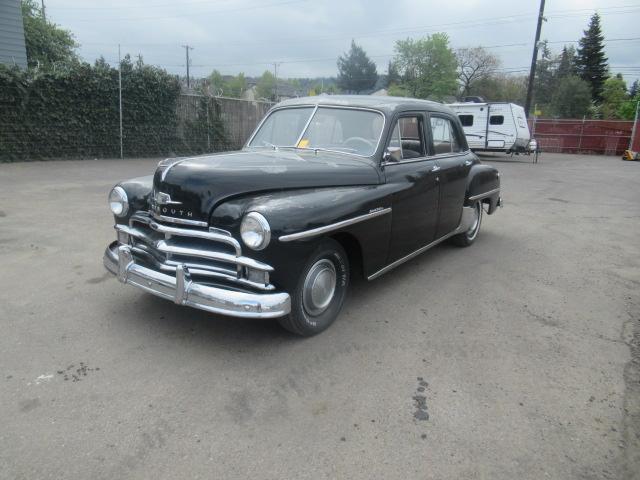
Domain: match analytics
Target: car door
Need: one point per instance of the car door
(455, 161)
(414, 182)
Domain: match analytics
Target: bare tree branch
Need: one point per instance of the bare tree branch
(474, 64)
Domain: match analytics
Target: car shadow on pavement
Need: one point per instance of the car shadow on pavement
(169, 320)
(146, 312)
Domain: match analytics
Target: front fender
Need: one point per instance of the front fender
(138, 192)
(294, 211)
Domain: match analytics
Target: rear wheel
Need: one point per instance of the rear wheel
(465, 239)
(320, 292)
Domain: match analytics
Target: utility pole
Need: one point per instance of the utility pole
(534, 59)
(275, 74)
(44, 14)
(186, 49)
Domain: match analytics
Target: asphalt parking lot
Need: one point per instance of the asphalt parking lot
(514, 358)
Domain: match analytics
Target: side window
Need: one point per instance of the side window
(466, 120)
(496, 120)
(395, 138)
(445, 138)
(408, 134)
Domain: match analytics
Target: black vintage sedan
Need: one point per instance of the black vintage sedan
(325, 187)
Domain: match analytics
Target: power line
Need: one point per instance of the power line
(425, 29)
(132, 7)
(199, 14)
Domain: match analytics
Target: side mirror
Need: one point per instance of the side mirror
(392, 154)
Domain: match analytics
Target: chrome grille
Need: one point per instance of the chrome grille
(210, 253)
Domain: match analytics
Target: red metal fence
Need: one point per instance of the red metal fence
(605, 137)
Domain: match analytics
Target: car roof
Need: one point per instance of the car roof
(387, 105)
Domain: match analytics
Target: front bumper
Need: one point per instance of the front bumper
(183, 291)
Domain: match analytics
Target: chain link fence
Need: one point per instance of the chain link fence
(602, 137)
(212, 124)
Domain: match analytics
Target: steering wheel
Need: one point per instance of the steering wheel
(359, 140)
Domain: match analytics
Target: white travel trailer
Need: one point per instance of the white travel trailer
(493, 127)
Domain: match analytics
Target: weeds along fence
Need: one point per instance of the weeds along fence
(76, 114)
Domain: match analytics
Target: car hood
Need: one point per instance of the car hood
(189, 188)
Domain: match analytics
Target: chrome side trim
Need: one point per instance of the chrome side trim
(168, 166)
(466, 220)
(180, 221)
(485, 194)
(183, 291)
(334, 226)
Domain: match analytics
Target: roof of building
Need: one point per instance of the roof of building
(385, 104)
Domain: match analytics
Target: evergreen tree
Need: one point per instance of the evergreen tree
(592, 62)
(356, 72)
(393, 76)
(634, 90)
(566, 62)
(544, 82)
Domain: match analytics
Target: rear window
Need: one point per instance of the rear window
(496, 120)
(466, 120)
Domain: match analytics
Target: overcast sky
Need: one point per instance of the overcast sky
(307, 36)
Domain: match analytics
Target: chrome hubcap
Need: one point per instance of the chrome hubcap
(319, 287)
(473, 231)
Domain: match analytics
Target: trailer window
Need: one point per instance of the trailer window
(466, 120)
(496, 120)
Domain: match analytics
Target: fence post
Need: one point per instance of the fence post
(581, 133)
(633, 129)
(120, 96)
(208, 127)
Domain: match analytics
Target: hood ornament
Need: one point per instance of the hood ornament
(162, 198)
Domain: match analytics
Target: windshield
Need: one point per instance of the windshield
(345, 130)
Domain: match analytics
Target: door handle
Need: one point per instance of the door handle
(435, 168)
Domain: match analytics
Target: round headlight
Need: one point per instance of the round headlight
(255, 231)
(118, 201)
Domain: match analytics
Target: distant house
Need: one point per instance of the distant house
(13, 50)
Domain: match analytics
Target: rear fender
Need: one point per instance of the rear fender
(483, 183)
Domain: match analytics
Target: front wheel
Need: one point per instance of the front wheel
(465, 239)
(320, 292)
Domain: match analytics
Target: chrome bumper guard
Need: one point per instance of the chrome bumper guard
(119, 260)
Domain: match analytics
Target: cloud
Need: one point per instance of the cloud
(308, 35)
